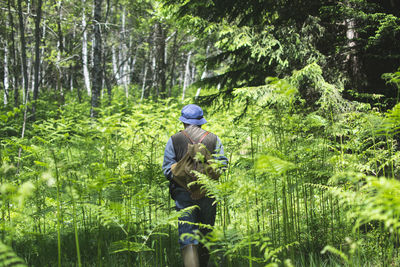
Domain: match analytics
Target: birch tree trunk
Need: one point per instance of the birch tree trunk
(86, 76)
(115, 64)
(97, 60)
(204, 74)
(42, 73)
(93, 38)
(6, 74)
(124, 54)
(71, 69)
(193, 75)
(144, 81)
(186, 80)
(154, 71)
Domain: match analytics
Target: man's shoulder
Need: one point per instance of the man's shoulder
(197, 133)
(176, 134)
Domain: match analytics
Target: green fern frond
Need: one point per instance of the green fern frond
(9, 258)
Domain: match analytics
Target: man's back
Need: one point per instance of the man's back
(181, 141)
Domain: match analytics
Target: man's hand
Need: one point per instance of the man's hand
(173, 167)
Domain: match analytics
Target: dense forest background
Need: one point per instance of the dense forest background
(303, 94)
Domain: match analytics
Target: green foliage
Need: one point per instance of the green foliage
(9, 258)
(300, 179)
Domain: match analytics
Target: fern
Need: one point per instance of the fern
(8, 257)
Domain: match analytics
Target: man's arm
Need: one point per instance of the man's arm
(169, 159)
(219, 154)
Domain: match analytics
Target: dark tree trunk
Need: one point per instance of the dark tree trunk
(173, 60)
(160, 59)
(13, 65)
(60, 47)
(25, 75)
(23, 50)
(13, 61)
(37, 56)
(106, 78)
(97, 70)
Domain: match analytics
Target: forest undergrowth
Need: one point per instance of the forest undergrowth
(307, 185)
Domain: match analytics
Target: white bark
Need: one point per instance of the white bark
(71, 77)
(124, 55)
(132, 66)
(187, 75)
(42, 70)
(86, 76)
(144, 81)
(153, 67)
(166, 45)
(351, 33)
(31, 82)
(6, 75)
(120, 58)
(115, 64)
(193, 75)
(93, 40)
(59, 83)
(203, 76)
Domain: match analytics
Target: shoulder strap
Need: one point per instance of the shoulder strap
(200, 140)
(203, 136)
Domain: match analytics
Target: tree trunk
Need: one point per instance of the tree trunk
(144, 81)
(23, 52)
(173, 60)
(6, 74)
(97, 60)
(124, 55)
(13, 65)
(60, 46)
(132, 65)
(159, 40)
(187, 75)
(193, 75)
(86, 76)
(115, 64)
(42, 69)
(106, 80)
(204, 74)
(37, 55)
(352, 59)
(71, 65)
(154, 71)
(25, 75)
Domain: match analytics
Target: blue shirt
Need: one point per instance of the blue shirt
(170, 157)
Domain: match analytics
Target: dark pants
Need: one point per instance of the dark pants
(204, 214)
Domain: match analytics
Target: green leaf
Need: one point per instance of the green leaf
(273, 165)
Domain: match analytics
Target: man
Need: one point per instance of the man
(194, 255)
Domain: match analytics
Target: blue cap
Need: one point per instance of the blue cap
(192, 114)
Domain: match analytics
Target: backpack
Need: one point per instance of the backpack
(197, 158)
